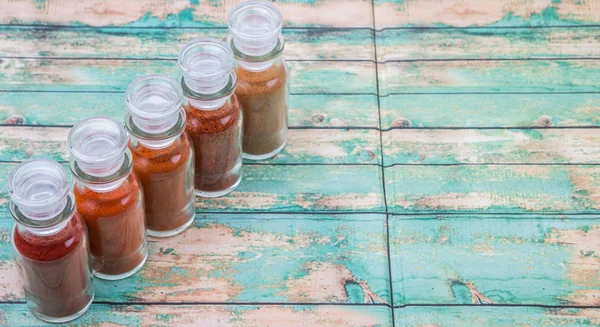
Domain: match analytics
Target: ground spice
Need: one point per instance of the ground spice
(216, 137)
(167, 176)
(115, 221)
(56, 269)
(263, 96)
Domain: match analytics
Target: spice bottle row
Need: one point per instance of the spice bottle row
(180, 138)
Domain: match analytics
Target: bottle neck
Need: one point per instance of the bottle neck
(48, 225)
(45, 231)
(104, 187)
(208, 105)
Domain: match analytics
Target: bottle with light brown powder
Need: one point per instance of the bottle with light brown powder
(263, 88)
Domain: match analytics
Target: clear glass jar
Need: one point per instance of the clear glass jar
(214, 117)
(50, 242)
(109, 197)
(263, 77)
(163, 158)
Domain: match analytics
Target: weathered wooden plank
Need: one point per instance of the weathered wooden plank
(495, 260)
(490, 146)
(305, 146)
(338, 13)
(490, 76)
(250, 258)
(500, 13)
(489, 110)
(320, 110)
(296, 188)
(115, 75)
(493, 189)
(487, 43)
(432, 316)
(17, 315)
(135, 43)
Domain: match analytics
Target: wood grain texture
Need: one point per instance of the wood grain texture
(179, 13)
(496, 260)
(487, 43)
(250, 258)
(66, 109)
(494, 13)
(544, 76)
(135, 43)
(212, 316)
(495, 316)
(283, 188)
(491, 146)
(493, 189)
(115, 75)
(489, 110)
(305, 146)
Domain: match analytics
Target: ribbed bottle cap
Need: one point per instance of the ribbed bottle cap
(255, 27)
(206, 65)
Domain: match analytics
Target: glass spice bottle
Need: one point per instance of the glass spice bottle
(214, 118)
(263, 84)
(109, 197)
(50, 242)
(163, 158)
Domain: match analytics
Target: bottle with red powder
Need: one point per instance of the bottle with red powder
(50, 242)
(163, 158)
(214, 118)
(108, 197)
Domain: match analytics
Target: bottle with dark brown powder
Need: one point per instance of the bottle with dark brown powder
(263, 88)
(214, 118)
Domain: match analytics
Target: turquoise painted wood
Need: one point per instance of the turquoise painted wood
(547, 76)
(487, 43)
(63, 108)
(489, 110)
(499, 216)
(495, 259)
(179, 13)
(285, 188)
(495, 316)
(141, 43)
(493, 189)
(491, 146)
(213, 315)
(239, 258)
(490, 13)
(305, 146)
(114, 75)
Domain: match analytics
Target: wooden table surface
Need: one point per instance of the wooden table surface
(441, 170)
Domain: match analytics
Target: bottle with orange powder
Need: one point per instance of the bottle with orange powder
(214, 118)
(109, 197)
(163, 158)
(50, 242)
(263, 82)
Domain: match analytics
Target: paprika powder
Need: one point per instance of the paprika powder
(163, 158)
(214, 119)
(108, 197)
(263, 84)
(50, 242)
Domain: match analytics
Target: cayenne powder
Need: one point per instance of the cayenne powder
(163, 157)
(115, 221)
(108, 197)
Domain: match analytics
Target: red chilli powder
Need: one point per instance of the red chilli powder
(56, 269)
